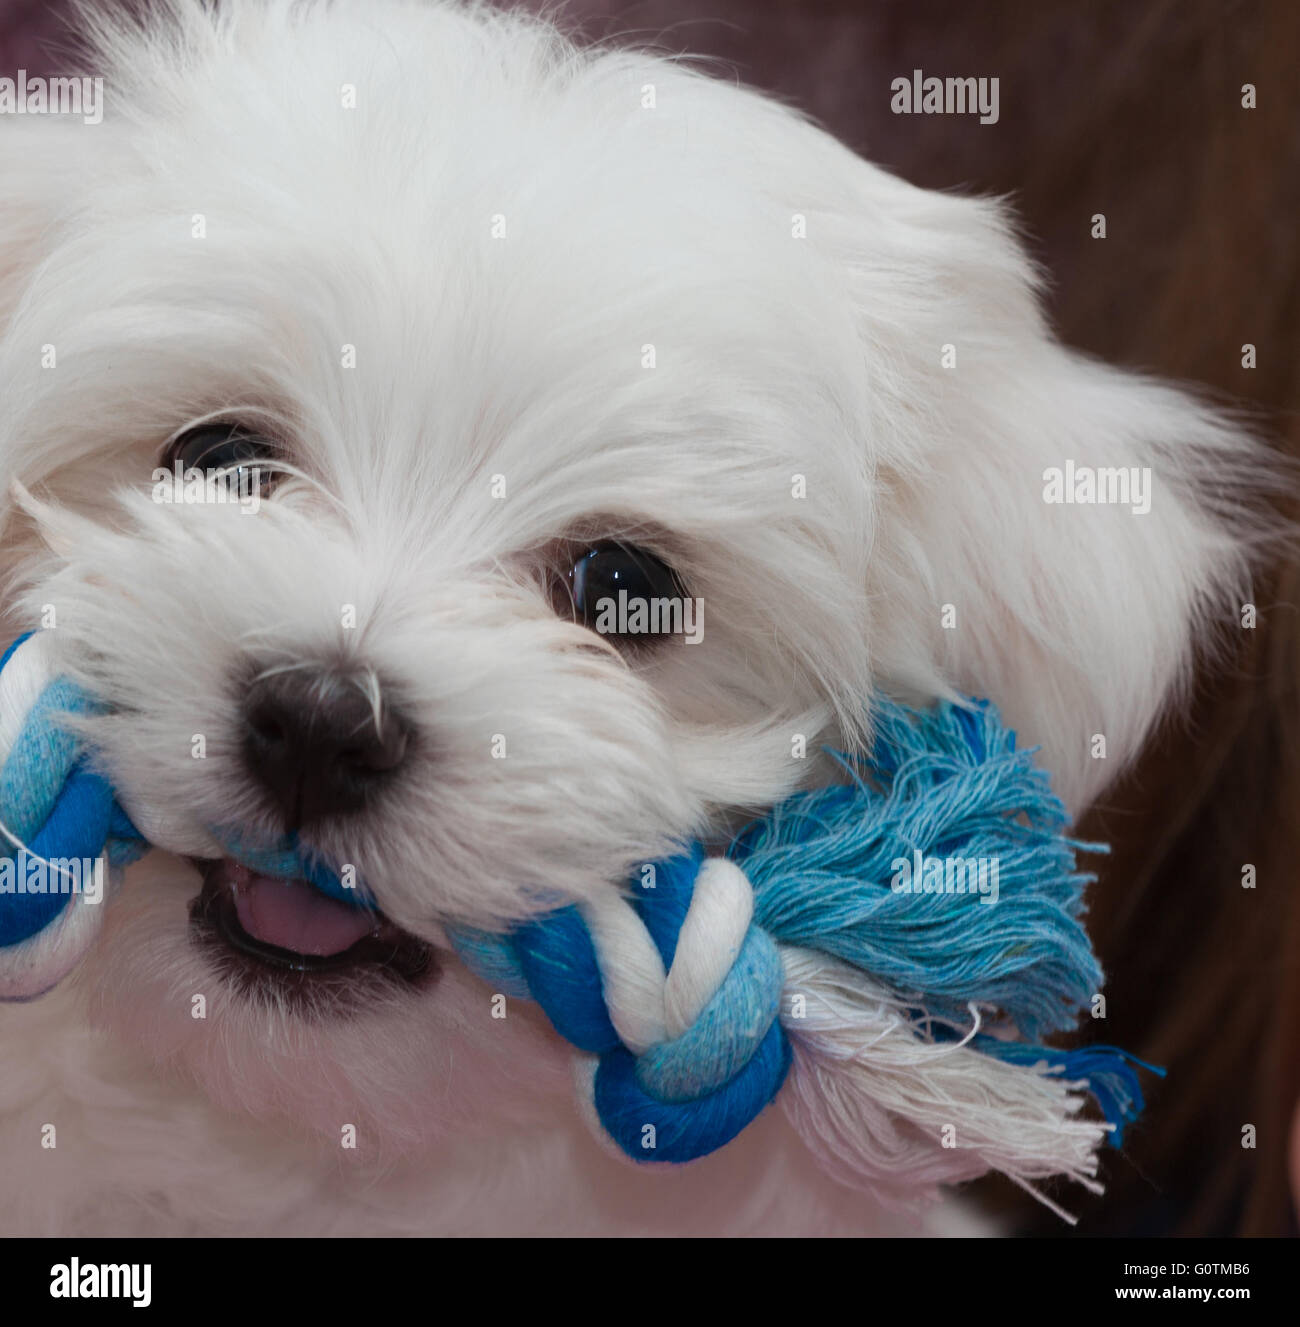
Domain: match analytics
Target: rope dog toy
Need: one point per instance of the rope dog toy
(883, 954)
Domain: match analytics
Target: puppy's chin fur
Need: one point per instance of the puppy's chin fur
(574, 315)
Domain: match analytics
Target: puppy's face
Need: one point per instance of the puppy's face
(493, 332)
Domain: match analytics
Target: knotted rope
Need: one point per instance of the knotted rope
(834, 945)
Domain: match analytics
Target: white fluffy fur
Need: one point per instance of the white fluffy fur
(518, 356)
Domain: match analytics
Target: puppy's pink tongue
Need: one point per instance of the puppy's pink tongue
(290, 914)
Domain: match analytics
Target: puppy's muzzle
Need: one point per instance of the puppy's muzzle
(321, 743)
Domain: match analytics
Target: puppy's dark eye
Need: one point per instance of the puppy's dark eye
(227, 448)
(618, 590)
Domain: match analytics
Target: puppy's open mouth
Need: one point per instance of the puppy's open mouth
(287, 930)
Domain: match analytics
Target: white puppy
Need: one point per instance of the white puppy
(500, 322)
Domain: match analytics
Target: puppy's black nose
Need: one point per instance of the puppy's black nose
(319, 743)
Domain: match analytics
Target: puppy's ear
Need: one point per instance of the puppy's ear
(44, 161)
(1055, 534)
(45, 165)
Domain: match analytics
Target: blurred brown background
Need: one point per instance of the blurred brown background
(1131, 108)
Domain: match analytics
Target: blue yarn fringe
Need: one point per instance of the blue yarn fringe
(1109, 1072)
(946, 782)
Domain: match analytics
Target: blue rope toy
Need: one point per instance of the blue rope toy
(889, 951)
